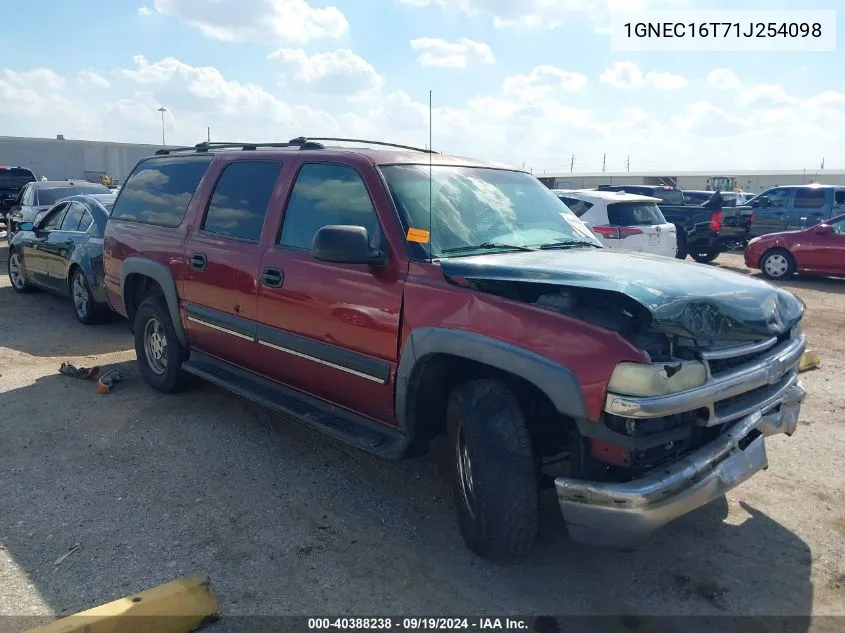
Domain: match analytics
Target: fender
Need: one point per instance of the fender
(164, 278)
(556, 381)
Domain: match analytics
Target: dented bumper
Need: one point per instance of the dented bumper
(620, 515)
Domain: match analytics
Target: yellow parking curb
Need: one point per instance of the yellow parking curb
(809, 360)
(180, 606)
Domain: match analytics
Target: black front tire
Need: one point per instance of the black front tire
(705, 257)
(489, 439)
(157, 347)
(786, 264)
(19, 283)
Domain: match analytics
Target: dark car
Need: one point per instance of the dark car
(324, 282)
(703, 231)
(63, 253)
(12, 180)
(790, 208)
(818, 250)
(36, 197)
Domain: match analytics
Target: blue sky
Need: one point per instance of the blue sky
(524, 82)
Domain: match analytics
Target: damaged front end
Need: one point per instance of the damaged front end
(681, 430)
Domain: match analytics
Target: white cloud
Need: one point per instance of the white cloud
(269, 21)
(339, 72)
(529, 119)
(91, 78)
(541, 13)
(543, 81)
(723, 79)
(666, 81)
(628, 75)
(440, 53)
(145, 10)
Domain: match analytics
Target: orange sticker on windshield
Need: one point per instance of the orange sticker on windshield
(418, 235)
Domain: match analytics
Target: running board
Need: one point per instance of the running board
(340, 423)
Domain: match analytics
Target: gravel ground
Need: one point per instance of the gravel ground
(287, 521)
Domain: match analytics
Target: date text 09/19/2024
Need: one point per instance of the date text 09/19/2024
(419, 624)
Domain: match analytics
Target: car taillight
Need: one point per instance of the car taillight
(616, 232)
(716, 221)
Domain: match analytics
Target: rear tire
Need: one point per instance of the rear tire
(777, 264)
(705, 257)
(493, 470)
(16, 273)
(87, 311)
(160, 354)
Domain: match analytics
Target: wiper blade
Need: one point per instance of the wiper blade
(485, 246)
(568, 244)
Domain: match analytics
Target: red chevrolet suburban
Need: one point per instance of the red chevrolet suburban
(388, 296)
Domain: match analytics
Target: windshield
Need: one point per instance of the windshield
(15, 178)
(634, 214)
(483, 207)
(54, 194)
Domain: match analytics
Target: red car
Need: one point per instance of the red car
(819, 249)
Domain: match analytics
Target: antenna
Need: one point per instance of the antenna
(430, 201)
(628, 164)
(572, 164)
(604, 163)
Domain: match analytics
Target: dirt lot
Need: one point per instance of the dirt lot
(286, 521)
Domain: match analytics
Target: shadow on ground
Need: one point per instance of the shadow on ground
(287, 521)
(55, 332)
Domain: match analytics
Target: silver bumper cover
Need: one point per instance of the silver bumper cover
(622, 515)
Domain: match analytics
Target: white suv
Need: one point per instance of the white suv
(623, 220)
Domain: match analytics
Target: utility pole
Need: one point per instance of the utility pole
(628, 164)
(604, 163)
(572, 164)
(162, 109)
(209, 134)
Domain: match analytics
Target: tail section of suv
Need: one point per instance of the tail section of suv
(391, 296)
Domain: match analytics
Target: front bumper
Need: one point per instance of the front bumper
(622, 515)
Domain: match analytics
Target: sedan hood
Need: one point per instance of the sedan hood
(689, 300)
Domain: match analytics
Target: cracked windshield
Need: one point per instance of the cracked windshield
(479, 209)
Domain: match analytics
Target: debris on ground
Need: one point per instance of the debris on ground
(64, 556)
(809, 360)
(109, 379)
(85, 373)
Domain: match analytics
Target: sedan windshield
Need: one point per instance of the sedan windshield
(473, 209)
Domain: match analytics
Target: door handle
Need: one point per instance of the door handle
(198, 261)
(272, 277)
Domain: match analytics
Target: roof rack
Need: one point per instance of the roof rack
(300, 142)
(362, 140)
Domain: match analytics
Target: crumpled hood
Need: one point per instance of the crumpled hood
(690, 300)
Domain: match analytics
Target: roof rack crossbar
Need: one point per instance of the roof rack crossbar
(361, 140)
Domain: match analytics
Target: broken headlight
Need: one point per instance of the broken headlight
(656, 379)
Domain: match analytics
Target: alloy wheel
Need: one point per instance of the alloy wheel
(16, 271)
(80, 296)
(155, 346)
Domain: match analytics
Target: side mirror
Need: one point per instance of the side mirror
(342, 244)
(25, 226)
(823, 229)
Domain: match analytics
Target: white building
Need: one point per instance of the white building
(751, 181)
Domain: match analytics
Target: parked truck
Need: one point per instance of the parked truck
(702, 232)
(795, 207)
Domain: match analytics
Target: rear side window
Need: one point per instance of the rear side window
(15, 177)
(240, 199)
(85, 223)
(673, 197)
(73, 216)
(809, 198)
(634, 214)
(839, 198)
(160, 189)
(578, 207)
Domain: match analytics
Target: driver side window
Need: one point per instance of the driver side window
(779, 198)
(54, 219)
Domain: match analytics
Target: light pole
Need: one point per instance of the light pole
(162, 109)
